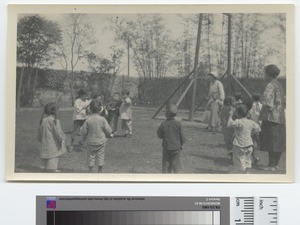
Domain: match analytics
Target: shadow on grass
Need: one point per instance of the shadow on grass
(220, 145)
(218, 161)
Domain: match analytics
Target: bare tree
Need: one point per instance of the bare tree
(78, 36)
(105, 70)
(149, 40)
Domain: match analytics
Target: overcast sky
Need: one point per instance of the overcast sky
(173, 23)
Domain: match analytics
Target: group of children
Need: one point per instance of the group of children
(240, 128)
(95, 122)
(92, 120)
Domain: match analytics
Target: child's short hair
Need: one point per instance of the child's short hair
(238, 96)
(242, 110)
(95, 106)
(229, 101)
(116, 93)
(81, 93)
(171, 110)
(248, 102)
(95, 95)
(256, 97)
(126, 92)
(50, 108)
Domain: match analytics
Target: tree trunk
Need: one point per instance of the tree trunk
(208, 41)
(29, 80)
(20, 88)
(34, 85)
(72, 90)
(72, 86)
(113, 82)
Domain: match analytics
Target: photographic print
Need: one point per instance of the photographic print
(189, 93)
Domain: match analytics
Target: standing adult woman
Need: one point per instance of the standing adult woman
(216, 96)
(273, 134)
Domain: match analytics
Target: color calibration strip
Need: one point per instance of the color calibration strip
(133, 217)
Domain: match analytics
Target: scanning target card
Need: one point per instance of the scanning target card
(109, 210)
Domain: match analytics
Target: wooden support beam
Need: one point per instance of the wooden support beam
(229, 53)
(173, 93)
(197, 53)
(242, 86)
(184, 93)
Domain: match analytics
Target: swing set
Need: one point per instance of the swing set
(192, 76)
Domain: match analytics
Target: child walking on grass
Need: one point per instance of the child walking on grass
(126, 114)
(242, 143)
(170, 131)
(51, 138)
(79, 116)
(95, 130)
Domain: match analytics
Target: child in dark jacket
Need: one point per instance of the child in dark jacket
(170, 131)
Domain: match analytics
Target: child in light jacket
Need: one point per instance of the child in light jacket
(242, 143)
(51, 138)
(95, 129)
(79, 116)
(126, 114)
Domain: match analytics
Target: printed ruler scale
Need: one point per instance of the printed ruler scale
(254, 211)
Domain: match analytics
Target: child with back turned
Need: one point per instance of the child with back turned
(171, 133)
(95, 130)
(103, 112)
(51, 138)
(242, 143)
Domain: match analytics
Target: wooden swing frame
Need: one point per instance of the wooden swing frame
(193, 75)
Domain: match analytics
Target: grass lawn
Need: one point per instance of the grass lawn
(204, 152)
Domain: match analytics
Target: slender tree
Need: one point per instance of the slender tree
(78, 36)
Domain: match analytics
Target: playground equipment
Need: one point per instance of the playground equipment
(193, 75)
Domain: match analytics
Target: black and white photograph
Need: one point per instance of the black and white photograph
(150, 93)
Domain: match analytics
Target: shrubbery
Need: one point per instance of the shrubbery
(52, 85)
